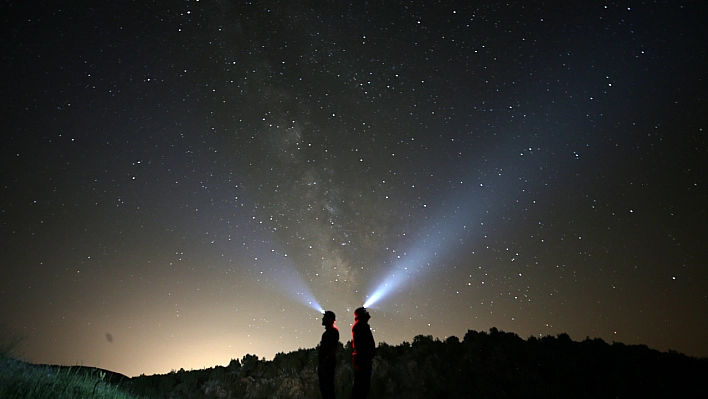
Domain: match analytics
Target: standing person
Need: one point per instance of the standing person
(327, 356)
(363, 346)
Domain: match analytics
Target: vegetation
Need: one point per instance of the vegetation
(21, 380)
(484, 365)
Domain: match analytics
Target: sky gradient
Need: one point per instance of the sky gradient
(187, 182)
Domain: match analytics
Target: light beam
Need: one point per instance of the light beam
(409, 265)
(281, 273)
(293, 285)
(435, 242)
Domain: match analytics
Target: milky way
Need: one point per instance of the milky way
(187, 182)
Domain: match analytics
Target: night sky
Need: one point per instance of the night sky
(187, 182)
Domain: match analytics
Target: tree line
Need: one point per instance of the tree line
(494, 364)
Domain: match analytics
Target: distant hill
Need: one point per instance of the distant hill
(483, 365)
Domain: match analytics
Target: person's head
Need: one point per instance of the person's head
(362, 314)
(328, 318)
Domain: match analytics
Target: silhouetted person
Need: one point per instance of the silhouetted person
(363, 346)
(327, 356)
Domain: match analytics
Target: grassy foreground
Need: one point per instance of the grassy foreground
(20, 380)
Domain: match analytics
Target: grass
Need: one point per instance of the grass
(22, 380)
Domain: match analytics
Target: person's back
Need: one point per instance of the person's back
(363, 349)
(363, 345)
(327, 355)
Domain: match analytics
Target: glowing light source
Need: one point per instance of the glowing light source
(380, 292)
(415, 263)
(401, 275)
(281, 273)
(294, 286)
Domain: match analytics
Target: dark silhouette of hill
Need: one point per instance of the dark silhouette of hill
(483, 365)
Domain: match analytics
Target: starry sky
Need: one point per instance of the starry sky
(186, 182)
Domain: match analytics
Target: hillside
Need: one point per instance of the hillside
(483, 365)
(22, 380)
